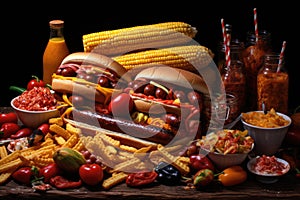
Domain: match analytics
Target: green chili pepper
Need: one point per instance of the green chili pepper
(17, 89)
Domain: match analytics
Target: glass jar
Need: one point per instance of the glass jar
(234, 81)
(273, 84)
(55, 51)
(253, 57)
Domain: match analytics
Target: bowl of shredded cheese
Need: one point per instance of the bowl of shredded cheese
(267, 129)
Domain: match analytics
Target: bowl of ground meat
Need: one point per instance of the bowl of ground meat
(35, 107)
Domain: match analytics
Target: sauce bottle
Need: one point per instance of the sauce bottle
(55, 51)
(273, 84)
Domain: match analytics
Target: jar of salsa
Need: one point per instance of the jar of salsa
(273, 84)
(253, 57)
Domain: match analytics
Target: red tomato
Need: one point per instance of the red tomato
(200, 161)
(91, 174)
(8, 117)
(121, 105)
(8, 129)
(23, 175)
(49, 171)
(35, 82)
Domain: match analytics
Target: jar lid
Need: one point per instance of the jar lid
(56, 23)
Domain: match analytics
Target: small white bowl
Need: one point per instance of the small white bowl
(267, 140)
(33, 119)
(264, 177)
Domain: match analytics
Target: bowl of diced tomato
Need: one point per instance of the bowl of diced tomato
(226, 147)
(34, 107)
(268, 169)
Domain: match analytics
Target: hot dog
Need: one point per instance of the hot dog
(89, 75)
(172, 98)
(151, 118)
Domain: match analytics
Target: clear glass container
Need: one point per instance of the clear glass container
(273, 84)
(253, 57)
(55, 51)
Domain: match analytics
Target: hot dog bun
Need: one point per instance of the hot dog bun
(92, 63)
(175, 76)
(168, 77)
(97, 60)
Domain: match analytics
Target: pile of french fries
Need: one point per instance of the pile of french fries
(118, 159)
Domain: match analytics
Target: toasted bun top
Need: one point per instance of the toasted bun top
(97, 60)
(175, 76)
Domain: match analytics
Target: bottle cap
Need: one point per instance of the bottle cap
(56, 23)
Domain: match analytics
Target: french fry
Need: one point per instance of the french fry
(6, 175)
(3, 152)
(79, 145)
(14, 164)
(115, 179)
(72, 141)
(72, 129)
(60, 131)
(56, 120)
(59, 140)
(13, 156)
(182, 167)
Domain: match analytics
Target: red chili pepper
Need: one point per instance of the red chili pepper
(8, 117)
(61, 182)
(8, 129)
(49, 171)
(44, 128)
(141, 178)
(23, 132)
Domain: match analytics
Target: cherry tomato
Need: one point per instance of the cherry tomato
(121, 105)
(23, 132)
(200, 161)
(23, 175)
(8, 129)
(8, 117)
(49, 171)
(35, 82)
(91, 174)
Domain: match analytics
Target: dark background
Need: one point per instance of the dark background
(25, 29)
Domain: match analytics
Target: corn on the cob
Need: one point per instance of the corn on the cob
(189, 57)
(124, 40)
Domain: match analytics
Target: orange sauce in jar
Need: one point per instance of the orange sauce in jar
(55, 51)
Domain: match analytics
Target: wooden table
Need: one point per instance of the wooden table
(287, 187)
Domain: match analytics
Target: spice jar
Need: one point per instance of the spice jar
(273, 84)
(252, 57)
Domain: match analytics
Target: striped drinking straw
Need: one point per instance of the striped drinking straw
(226, 43)
(281, 56)
(255, 24)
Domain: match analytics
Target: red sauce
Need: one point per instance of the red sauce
(37, 99)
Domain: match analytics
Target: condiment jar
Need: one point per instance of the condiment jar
(253, 57)
(273, 84)
(55, 51)
(233, 77)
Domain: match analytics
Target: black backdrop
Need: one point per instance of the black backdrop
(25, 31)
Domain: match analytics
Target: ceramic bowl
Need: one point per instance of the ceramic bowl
(266, 176)
(33, 119)
(267, 140)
